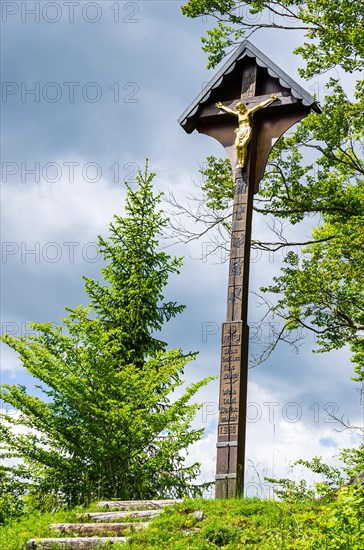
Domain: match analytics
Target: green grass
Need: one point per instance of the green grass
(253, 523)
(14, 535)
(227, 524)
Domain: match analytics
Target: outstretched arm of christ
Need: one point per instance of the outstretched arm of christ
(219, 105)
(272, 98)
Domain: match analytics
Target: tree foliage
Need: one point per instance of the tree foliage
(349, 471)
(333, 29)
(12, 490)
(106, 422)
(318, 172)
(322, 287)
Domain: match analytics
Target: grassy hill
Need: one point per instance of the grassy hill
(231, 524)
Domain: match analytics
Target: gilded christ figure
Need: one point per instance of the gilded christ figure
(244, 131)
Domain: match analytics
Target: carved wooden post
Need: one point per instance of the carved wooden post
(248, 77)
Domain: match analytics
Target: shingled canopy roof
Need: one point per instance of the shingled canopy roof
(188, 119)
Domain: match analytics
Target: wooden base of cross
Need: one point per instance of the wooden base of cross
(234, 348)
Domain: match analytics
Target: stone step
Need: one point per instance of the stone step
(138, 504)
(80, 543)
(115, 516)
(92, 529)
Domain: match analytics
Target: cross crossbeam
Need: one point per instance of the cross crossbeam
(211, 110)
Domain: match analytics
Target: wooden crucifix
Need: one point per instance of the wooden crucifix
(247, 106)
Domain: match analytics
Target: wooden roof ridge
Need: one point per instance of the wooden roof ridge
(246, 49)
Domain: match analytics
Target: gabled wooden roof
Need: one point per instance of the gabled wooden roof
(189, 118)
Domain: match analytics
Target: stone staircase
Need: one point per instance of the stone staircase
(103, 528)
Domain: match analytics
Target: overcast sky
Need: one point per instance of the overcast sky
(90, 89)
